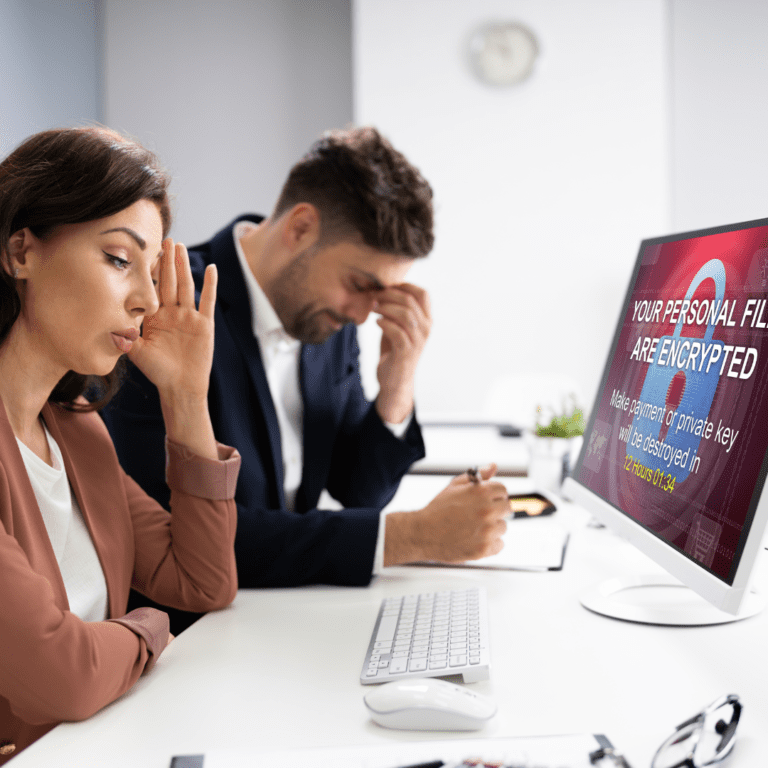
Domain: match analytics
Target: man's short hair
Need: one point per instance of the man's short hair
(363, 188)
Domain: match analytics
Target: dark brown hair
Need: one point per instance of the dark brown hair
(363, 187)
(70, 176)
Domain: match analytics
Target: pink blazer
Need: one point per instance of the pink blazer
(53, 665)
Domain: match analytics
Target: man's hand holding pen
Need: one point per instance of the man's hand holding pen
(465, 521)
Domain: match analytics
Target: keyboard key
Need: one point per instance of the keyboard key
(387, 627)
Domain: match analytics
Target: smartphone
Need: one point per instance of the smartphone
(530, 505)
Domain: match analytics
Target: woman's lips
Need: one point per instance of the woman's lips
(124, 340)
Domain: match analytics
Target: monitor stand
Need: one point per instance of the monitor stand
(659, 599)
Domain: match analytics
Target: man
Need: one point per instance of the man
(285, 386)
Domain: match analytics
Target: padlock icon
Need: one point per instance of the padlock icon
(695, 399)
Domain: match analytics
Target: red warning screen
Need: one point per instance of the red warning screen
(679, 433)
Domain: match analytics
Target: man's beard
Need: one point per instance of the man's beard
(302, 318)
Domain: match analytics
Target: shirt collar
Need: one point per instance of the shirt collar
(264, 320)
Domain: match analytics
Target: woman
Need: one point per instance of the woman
(83, 218)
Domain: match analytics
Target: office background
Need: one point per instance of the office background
(642, 117)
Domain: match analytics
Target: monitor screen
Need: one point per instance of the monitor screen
(676, 449)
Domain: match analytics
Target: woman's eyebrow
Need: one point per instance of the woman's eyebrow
(142, 243)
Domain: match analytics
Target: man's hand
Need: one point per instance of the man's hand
(405, 321)
(463, 522)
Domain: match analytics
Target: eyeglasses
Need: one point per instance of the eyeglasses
(702, 740)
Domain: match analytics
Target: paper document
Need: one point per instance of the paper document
(540, 751)
(530, 544)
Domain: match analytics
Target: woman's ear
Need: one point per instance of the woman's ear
(18, 245)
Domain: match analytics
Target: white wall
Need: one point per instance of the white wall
(643, 117)
(543, 191)
(49, 67)
(720, 113)
(229, 94)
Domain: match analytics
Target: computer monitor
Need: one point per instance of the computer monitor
(675, 453)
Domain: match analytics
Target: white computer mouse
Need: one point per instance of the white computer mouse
(427, 704)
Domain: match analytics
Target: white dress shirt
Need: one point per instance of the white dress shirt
(280, 355)
(79, 564)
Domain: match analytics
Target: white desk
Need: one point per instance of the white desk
(451, 449)
(263, 674)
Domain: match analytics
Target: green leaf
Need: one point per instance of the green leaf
(569, 423)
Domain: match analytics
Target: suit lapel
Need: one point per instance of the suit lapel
(236, 311)
(25, 521)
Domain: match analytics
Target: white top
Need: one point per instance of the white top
(78, 562)
(280, 355)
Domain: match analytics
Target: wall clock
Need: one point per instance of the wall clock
(503, 53)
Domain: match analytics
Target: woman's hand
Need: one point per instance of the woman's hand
(175, 351)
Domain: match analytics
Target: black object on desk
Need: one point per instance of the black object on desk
(431, 764)
(187, 761)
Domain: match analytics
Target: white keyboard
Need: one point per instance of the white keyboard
(433, 634)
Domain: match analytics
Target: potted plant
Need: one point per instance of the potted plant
(556, 437)
(569, 423)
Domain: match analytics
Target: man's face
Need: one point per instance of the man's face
(324, 288)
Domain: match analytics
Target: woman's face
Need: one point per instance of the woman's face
(89, 286)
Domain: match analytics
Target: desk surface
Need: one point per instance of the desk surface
(280, 667)
(451, 449)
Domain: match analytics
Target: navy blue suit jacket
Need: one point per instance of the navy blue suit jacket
(347, 448)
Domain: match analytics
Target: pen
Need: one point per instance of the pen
(431, 764)
(474, 474)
